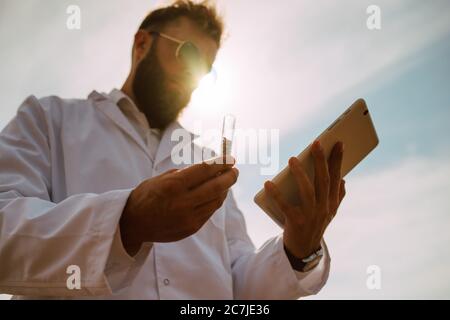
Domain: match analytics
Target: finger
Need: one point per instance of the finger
(341, 196)
(198, 173)
(169, 171)
(274, 193)
(220, 196)
(207, 209)
(214, 187)
(342, 191)
(305, 188)
(321, 175)
(335, 165)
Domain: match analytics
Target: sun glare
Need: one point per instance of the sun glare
(206, 98)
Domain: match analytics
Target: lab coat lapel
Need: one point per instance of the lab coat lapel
(112, 111)
(167, 143)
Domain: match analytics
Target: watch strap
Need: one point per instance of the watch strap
(299, 264)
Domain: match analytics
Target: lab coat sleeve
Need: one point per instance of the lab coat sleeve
(44, 246)
(266, 273)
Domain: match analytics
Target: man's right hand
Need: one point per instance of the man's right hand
(176, 204)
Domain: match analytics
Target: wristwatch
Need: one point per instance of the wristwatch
(305, 264)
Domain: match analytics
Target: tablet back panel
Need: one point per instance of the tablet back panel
(354, 128)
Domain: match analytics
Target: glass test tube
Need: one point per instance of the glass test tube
(229, 122)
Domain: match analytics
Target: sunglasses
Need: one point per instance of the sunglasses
(188, 54)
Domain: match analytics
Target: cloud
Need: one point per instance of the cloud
(284, 61)
(281, 67)
(395, 217)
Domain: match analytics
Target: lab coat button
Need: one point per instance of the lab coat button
(166, 282)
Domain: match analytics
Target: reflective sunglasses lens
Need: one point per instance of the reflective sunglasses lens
(189, 52)
(190, 56)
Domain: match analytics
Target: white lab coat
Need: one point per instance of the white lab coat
(66, 170)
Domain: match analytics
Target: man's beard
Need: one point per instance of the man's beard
(154, 98)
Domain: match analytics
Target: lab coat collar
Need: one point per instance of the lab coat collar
(167, 143)
(112, 111)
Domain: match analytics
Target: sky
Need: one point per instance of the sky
(292, 66)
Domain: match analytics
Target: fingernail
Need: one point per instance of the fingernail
(213, 161)
(292, 161)
(230, 160)
(317, 145)
(221, 160)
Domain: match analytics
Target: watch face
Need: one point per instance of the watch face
(312, 264)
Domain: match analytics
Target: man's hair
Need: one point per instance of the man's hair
(204, 14)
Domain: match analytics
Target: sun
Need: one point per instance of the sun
(209, 103)
(206, 99)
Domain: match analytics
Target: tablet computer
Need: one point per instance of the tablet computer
(354, 128)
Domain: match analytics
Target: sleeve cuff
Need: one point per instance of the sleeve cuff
(119, 262)
(119, 257)
(313, 280)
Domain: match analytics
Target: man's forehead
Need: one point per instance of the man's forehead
(185, 29)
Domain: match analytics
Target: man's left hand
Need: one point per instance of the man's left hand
(306, 223)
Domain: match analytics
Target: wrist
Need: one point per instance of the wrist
(306, 263)
(128, 231)
(298, 247)
(302, 253)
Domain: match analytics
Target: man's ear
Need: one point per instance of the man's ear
(142, 43)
